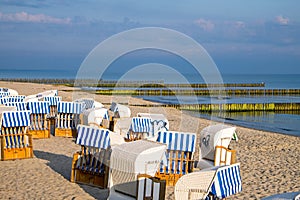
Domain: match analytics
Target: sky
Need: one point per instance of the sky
(240, 36)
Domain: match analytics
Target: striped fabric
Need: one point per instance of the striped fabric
(3, 94)
(53, 100)
(15, 118)
(178, 140)
(93, 137)
(227, 181)
(89, 103)
(39, 107)
(19, 105)
(141, 125)
(19, 98)
(70, 107)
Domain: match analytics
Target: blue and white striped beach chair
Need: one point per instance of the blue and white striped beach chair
(227, 181)
(210, 183)
(10, 99)
(68, 117)
(15, 141)
(39, 124)
(140, 128)
(53, 101)
(179, 155)
(91, 164)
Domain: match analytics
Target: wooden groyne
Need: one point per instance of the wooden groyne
(236, 107)
(201, 92)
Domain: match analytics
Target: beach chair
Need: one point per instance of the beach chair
(210, 137)
(39, 123)
(41, 95)
(121, 126)
(95, 117)
(12, 99)
(52, 116)
(91, 164)
(179, 155)
(159, 121)
(68, 117)
(131, 161)
(53, 101)
(140, 128)
(120, 110)
(211, 183)
(15, 141)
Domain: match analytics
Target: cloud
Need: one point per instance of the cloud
(38, 18)
(282, 20)
(206, 25)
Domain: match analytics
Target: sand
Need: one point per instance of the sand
(269, 161)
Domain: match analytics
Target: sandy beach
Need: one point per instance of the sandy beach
(269, 161)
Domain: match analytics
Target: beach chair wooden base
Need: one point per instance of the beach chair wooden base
(40, 134)
(59, 132)
(16, 153)
(86, 177)
(170, 179)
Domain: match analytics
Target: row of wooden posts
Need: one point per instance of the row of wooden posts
(233, 107)
(204, 92)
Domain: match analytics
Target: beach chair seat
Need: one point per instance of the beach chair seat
(140, 128)
(179, 155)
(15, 141)
(91, 164)
(68, 117)
(128, 161)
(39, 123)
(211, 183)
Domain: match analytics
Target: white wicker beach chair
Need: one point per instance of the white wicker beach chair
(210, 137)
(39, 123)
(179, 155)
(68, 117)
(15, 141)
(215, 182)
(130, 159)
(121, 126)
(120, 110)
(95, 117)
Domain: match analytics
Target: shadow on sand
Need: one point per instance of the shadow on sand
(55, 163)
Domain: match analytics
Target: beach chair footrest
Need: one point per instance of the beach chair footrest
(59, 132)
(88, 178)
(17, 153)
(39, 134)
(170, 179)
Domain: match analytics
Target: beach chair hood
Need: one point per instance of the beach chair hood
(94, 115)
(212, 136)
(133, 158)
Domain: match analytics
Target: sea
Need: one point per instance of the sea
(279, 122)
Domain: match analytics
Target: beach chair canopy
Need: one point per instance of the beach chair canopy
(36, 97)
(39, 107)
(8, 92)
(94, 116)
(212, 136)
(89, 103)
(97, 137)
(15, 118)
(120, 110)
(133, 158)
(10, 99)
(70, 107)
(53, 101)
(159, 121)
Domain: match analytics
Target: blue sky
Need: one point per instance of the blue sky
(240, 36)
